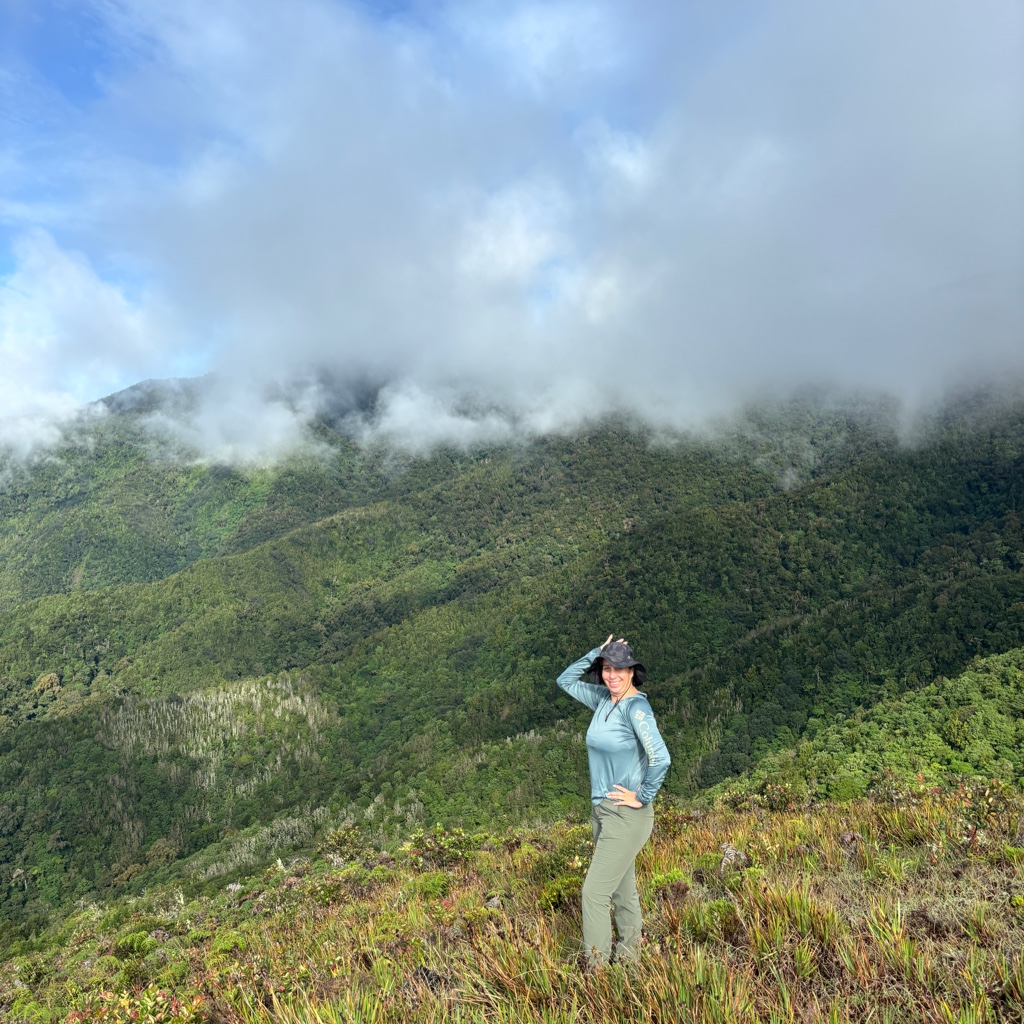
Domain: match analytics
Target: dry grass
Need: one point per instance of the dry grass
(863, 912)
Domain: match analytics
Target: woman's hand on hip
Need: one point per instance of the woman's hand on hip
(624, 797)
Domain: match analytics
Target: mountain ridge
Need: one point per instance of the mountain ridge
(427, 617)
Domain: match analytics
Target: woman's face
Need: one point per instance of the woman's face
(618, 680)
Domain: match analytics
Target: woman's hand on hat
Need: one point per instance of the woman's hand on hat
(611, 636)
(624, 797)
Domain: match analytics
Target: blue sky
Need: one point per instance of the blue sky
(505, 199)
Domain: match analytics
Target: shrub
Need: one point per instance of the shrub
(985, 804)
(437, 847)
(845, 787)
(671, 822)
(670, 885)
(33, 1012)
(570, 854)
(345, 842)
(888, 787)
(562, 892)
(782, 796)
(576, 844)
(134, 971)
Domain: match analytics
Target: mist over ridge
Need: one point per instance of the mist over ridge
(211, 420)
(403, 416)
(513, 217)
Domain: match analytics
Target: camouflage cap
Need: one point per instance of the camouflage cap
(619, 655)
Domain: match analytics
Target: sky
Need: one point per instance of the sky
(509, 214)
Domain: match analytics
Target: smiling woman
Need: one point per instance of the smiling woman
(628, 763)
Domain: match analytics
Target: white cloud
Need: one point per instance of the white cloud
(515, 235)
(66, 334)
(516, 200)
(235, 422)
(416, 419)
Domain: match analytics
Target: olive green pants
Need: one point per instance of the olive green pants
(619, 835)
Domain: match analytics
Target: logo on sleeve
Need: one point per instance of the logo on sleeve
(644, 732)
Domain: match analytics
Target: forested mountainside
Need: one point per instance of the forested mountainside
(120, 500)
(200, 664)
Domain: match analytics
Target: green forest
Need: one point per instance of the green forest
(202, 665)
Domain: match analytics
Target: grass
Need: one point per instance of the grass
(849, 912)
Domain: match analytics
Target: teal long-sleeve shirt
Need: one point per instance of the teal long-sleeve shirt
(623, 743)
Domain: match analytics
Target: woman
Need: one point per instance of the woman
(628, 762)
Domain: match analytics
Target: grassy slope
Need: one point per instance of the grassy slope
(904, 911)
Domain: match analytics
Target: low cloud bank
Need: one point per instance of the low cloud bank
(510, 218)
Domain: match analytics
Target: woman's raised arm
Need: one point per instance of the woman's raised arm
(571, 680)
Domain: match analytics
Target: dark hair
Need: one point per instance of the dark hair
(639, 672)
